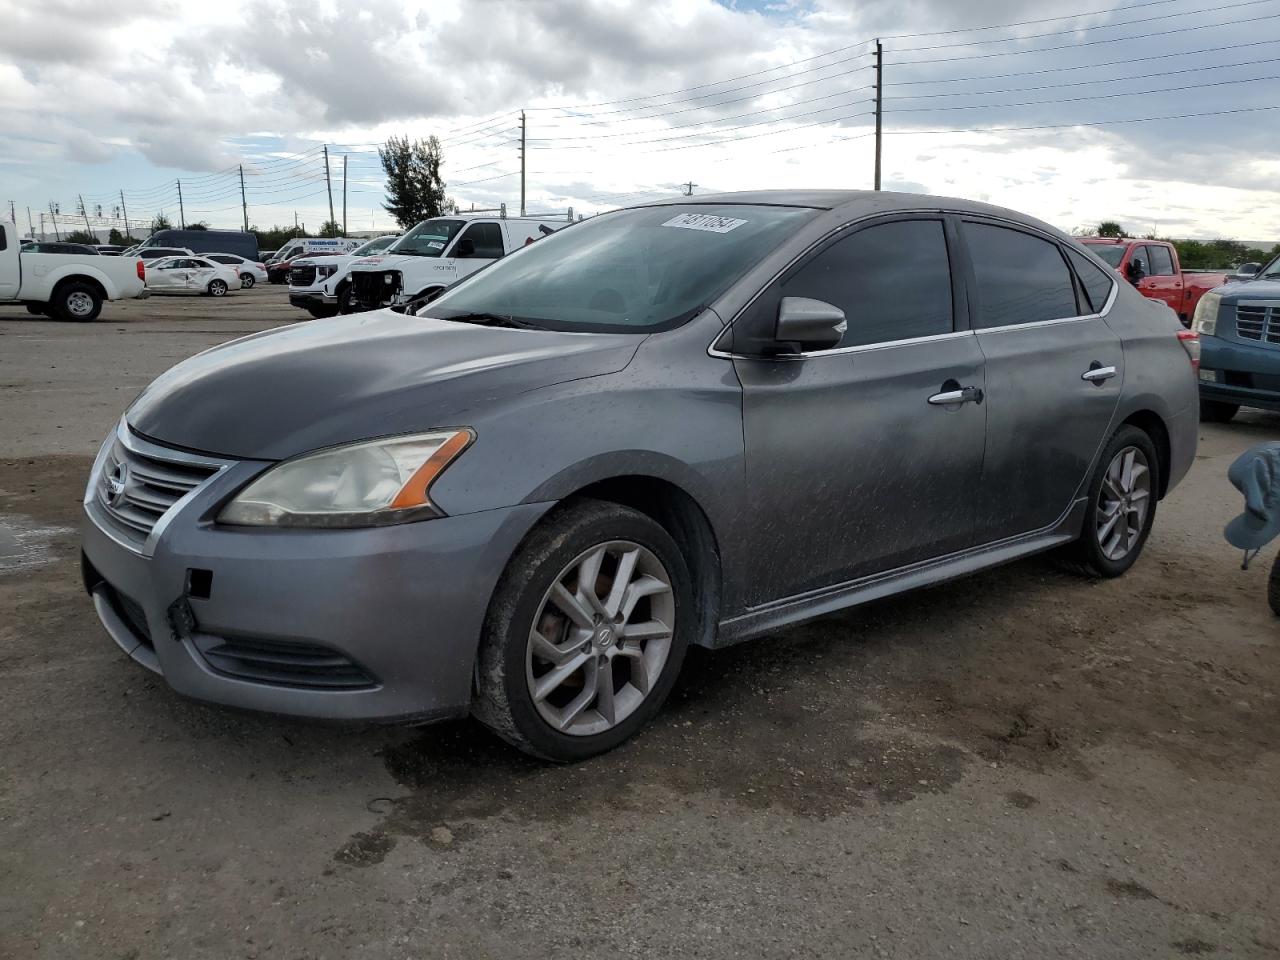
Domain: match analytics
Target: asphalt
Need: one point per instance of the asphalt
(1021, 764)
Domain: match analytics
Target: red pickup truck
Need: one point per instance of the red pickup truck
(1152, 266)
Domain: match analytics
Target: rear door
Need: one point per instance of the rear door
(853, 464)
(1054, 372)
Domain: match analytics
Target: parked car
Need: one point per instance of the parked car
(208, 241)
(694, 422)
(67, 286)
(149, 254)
(438, 252)
(109, 249)
(46, 246)
(266, 255)
(193, 275)
(306, 246)
(323, 287)
(1152, 266)
(1239, 328)
(250, 271)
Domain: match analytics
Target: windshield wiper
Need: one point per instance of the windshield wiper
(492, 320)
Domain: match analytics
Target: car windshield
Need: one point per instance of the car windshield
(638, 270)
(1270, 270)
(372, 247)
(1112, 253)
(427, 239)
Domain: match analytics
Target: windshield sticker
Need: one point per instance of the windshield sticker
(435, 245)
(704, 221)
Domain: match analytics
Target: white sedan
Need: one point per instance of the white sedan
(251, 271)
(192, 275)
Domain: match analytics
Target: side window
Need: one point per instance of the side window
(1021, 278)
(486, 242)
(1139, 252)
(1097, 282)
(4, 240)
(1161, 264)
(892, 280)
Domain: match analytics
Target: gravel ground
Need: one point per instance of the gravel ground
(1022, 764)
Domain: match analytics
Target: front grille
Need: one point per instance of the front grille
(1258, 321)
(302, 276)
(283, 662)
(135, 489)
(375, 289)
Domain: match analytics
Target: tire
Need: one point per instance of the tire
(322, 313)
(217, 288)
(555, 553)
(1273, 587)
(76, 303)
(1215, 411)
(346, 303)
(1097, 556)
(247, 281)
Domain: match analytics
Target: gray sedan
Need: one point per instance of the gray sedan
(686, 423)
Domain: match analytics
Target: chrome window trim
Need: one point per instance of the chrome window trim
(914, 212)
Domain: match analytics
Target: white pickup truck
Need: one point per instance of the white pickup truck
(322, 286)
(438, 252)
(65, 286)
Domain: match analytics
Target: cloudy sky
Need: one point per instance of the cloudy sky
(1019, 102)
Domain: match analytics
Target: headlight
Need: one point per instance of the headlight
(361, 485)
(1205, 320)
(324, 272)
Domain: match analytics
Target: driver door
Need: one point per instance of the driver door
(854, 464)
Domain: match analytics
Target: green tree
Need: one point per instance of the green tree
(198, 225)
(276, 237)
(121, 240)
(415, 189)
(161, 222)
(330, 228)
(81, 236)
(1110, 228)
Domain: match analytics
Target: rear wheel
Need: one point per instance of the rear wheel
(217, 288)
(1121, 506)
(1215, 411)
(585, 634)
(77, 302)
(246, 280)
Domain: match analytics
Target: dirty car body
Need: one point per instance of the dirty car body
(955, 422)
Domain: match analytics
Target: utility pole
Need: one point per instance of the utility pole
(244, 204)
(125, 210)
(13, 215)
(522, 156)
(42, 226)
(328, 183)
(182, 213)
(879, 105)
(54, 217)
(688, 188)
(85, 210)
(344, 194)
(31, 227)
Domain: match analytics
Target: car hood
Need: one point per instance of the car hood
(341, 260)
(391, 261)
(1249, 290)
(279, 393)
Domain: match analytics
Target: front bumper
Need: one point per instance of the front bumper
(372, 624)
(1246, 374)
(311, 298)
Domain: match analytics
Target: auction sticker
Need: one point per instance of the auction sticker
(704, 221)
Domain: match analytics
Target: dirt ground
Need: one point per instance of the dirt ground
(1022, 764)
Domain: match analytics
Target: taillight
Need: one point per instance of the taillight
(1190, 341)
(142, 271)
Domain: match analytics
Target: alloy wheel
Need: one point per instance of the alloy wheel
(80, 304)
(600, 639)
(1123, 503)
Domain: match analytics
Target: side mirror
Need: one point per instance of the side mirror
(466, 248)
(1247, 270)
(809, 324)
(1137, 269)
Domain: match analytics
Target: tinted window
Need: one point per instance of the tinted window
(1021, 278)
(893, 282)
(225, 259)
(1112, 253)
(1096, 281)
(486, 239)
(1161, 263)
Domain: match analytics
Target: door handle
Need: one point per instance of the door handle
(1097, 373)
(958, 394)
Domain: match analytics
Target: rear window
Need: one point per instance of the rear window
(1097, 282)
(1021, 278)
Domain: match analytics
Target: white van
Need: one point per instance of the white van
(304, 246)
(439, 251)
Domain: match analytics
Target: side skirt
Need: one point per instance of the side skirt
(789, 612)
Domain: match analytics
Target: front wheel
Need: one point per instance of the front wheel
(1215, 411)
(217, 288)
(1121, 505)
(247, 280)
(585, 634)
